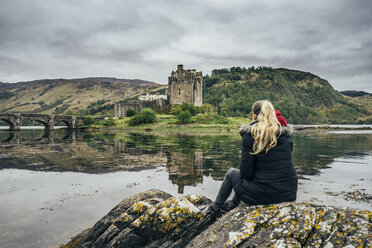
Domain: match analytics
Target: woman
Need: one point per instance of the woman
(266, 174)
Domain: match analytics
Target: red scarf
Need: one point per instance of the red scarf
(280, 118)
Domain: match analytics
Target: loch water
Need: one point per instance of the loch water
(55, 184)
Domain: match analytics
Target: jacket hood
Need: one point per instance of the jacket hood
(280, 118)
(286, 130)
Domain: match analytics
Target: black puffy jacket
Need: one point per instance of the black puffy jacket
(267, 177)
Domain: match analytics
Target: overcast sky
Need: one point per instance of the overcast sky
(147, 39)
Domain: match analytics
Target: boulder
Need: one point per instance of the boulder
(156, 219)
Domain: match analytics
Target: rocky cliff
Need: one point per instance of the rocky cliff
(156, 219)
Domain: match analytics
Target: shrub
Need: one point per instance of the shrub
(183, 117)
(188, 106)
(88, 120)
(130, 112)
(145, 116)
(205, 108)
(148, 116)
(110, 122)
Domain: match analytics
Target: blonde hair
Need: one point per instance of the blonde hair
(264, 132)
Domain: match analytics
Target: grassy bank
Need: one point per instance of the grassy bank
(169, 123)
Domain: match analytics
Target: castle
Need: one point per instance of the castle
(183, 86)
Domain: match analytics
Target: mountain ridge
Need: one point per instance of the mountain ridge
(56, 96)
(355, 93)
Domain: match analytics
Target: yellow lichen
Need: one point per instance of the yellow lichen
(212, 238)
(194, 198)
(169, 214)
(139, 207)
(124, 217)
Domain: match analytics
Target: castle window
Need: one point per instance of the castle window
(179, 91)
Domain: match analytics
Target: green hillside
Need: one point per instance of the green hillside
(303, 98)
(362, 99)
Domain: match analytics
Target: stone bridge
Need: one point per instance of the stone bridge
(17, 119)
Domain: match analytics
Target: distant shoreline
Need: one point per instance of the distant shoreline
(225, 129)
(208, 128)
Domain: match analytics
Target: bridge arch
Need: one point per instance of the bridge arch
(11, 124)
(15, 120)
(45, 124)
(46, 120)
(68, 124)
(68, 120)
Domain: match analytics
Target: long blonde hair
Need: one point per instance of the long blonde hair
(264, 132)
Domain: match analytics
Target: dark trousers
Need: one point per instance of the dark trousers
(232, 178)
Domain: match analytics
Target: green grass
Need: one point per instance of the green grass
(168, 123)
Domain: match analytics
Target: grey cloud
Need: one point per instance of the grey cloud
(146, 39)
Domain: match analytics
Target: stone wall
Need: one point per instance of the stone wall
(137, 105)
(181, 92)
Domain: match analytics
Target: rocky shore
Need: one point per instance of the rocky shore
(157, 219)
(327, 127)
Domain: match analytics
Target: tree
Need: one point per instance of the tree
(188, 106)
(145, 116)
(110, 122)
(88, 120)
(183, 117)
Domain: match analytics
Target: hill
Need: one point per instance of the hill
(361, 99)
(57, 96)
(302, 97)
(354, 93)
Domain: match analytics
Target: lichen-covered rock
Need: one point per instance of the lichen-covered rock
(153, 219)
(288, 225)
(156, 219)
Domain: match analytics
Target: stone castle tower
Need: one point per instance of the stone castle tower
(185, 86)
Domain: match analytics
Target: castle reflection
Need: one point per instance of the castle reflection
(185, 169)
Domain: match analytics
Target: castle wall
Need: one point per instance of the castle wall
(198, 92)
(137, 105)
(182, 92)
(185, 86)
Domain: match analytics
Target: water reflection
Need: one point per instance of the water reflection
(316, 150)
(187, 157)
(38, 137)
(185, 169)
